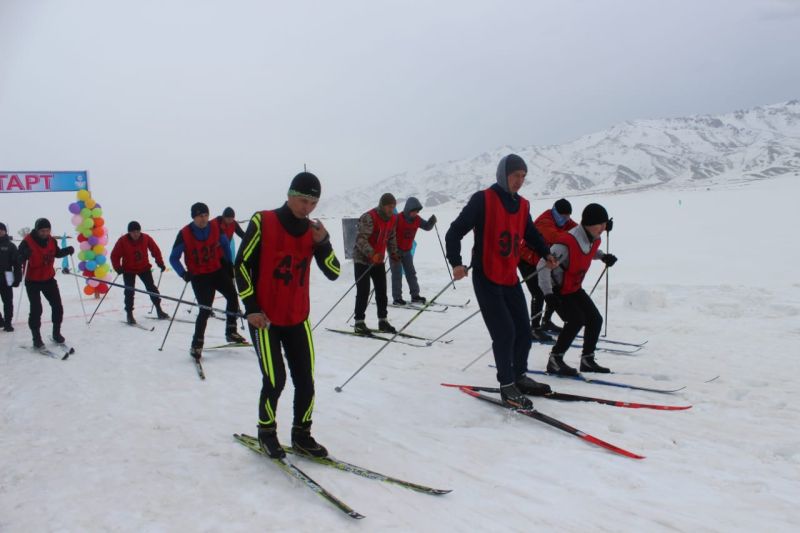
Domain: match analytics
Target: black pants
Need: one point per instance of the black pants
(378, 276)
(537, 296)
(49, 289)
(129, 279)
(204, 286)
(506, 316)
(298, 348)
(577, 310)
(7, 294)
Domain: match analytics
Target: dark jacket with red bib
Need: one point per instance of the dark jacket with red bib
(131, 256)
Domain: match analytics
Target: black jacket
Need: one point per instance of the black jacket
(9, 259)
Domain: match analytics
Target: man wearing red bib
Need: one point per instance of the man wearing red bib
(207, 254)
(500, 219)
(574, 252)
(40, 251)
(272, 272)
(408, 222)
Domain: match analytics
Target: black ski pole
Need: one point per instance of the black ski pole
(389, 341)
(342, 298)
(444, 255)
(22, 289)
(171, 320)
(598, 280)
(158, 284)
(77, 286)
(101, 302)
(605, 317)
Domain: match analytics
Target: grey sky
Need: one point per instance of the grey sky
(170, 102)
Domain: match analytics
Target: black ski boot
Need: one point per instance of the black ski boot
(268, 439)
(512, 397)
(161, 314)
(196, 350)
(539, 335)
(399, 301)
(233, 336)
(304, 443)
(526, 385)
(7, 325)
(37, 340)
(58, 338)
(384, 326)
(419, 300)
(556, 365)
(548, 325)
(129, 318)
(361, 328)
(588, 364)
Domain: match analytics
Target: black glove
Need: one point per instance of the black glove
(65, 270)
(609, 225)
(162, 267)
(609, 259)
(187, 277)
(432, 220)
(70, 250)
(16, 282)
(553, 300)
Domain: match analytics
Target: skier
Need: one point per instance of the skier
(228, 224)
(407, 224)
(272, 273)
(10, 276)
(129, 257)
(500, 218)
(574, 252)
(375, 233)
(207, 254)
(551, 223)
(40, 251)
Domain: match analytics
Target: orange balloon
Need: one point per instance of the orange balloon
(88, 290)
(97, 232)
(98, 222)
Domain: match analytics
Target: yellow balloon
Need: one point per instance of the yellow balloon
(101, 271)
(90, 203)
(84, 195)
(99, 249)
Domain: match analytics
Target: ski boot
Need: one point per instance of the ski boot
(361, 328)
(526, 385)
(304, 443)
(268, 439)
(588, 364)
(385, 327)
(513, 398)
(556, 365)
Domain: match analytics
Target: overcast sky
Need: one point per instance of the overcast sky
(171, 102)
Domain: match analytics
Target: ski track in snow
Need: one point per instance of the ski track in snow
(122, 437)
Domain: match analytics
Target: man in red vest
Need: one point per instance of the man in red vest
(228, 224)
(501, 220)
(375, 235)
(207, 254)
(551, 223)
(272, 272)
(129, 257)
(574, 252)
(40, 251)
(407, 224)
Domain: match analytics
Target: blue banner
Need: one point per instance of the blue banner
(57, 181)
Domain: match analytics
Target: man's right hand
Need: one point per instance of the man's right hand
(258, 320)
(377, 259)
(187, 277)
(459, 272)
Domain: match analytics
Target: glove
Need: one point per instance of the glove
(432, 220)
(70, 250)
(187, 277)
(16, 283)
(553, 300)
(65, 270)
(162, 267)
(609, 225)
(377, 259)
(609, 259)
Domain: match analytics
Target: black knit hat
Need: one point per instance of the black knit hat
(228, 212)
(563, 207)
(305, 184)
(41, 223)
(387, 198)
(134, 226)
(594, 214)
(199, 209)
(3, 227)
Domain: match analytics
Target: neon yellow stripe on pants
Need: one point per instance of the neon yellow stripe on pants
(266, 365)
(307, 326)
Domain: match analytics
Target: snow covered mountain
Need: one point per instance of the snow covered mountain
(701, 150)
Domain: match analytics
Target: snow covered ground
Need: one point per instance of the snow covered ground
(123, 437)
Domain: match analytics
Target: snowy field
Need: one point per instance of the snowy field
(124, 437)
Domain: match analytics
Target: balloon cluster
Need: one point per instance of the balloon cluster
(87, 217)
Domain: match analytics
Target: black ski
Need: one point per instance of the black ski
(199, 367)
(581, 377)
(428, 341)
(137, 325)
(446, 304)
(298, 474)
(376, 337)
(619, 343)
(604, 349)
(415, 307)
(533, 413)
(576, 398)
(230, 345)
(358, 470)
(176, 319)
(66, 350)
(47, 352)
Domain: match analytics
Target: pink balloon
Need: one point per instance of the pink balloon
(85, 246)
(103, 240)
(93, 283)
(77, 220)
(108, 277)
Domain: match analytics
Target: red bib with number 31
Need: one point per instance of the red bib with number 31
(282, 289)
(502, 234)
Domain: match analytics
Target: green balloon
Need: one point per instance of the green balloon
(88, 255)
(97, 212)
(86, 212)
